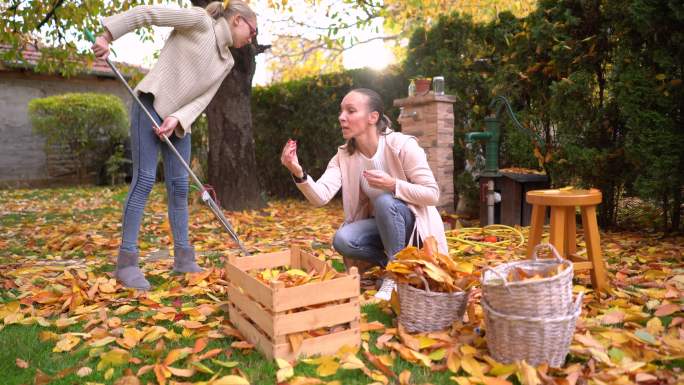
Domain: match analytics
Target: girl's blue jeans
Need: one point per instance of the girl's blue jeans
(145, 147)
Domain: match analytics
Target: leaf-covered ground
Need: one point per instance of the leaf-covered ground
(64, 320)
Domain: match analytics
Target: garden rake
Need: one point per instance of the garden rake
(206, 197)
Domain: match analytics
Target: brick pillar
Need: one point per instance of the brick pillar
(430, 118)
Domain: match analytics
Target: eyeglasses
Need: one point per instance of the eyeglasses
(253, 31)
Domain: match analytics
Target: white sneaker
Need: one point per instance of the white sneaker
(386, 289)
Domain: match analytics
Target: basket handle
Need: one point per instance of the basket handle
(578, 301)
(551, 247)
(414, 233)
(427, 287)
(503, 278)
(425, 282)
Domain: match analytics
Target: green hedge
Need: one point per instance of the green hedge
(600, 81)
(307, 110)
(91, 126)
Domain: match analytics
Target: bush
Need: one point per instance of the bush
(89, 125)
(117, 166)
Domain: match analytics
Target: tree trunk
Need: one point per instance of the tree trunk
(666, 210)
(232, 164)
(676, 209)
(231, 161)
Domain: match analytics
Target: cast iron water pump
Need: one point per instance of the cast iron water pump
(492, 134)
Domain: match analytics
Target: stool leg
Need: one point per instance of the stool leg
(557, 230)
(536, 227)
(591, 236)
(570, 232)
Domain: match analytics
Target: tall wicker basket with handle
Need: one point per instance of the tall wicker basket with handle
(546, 297)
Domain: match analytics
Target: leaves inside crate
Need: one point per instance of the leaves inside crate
(295, 277)
(440, 271)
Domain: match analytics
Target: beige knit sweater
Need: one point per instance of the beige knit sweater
(192, 64)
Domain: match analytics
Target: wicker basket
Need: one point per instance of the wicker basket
(426, 311)
(547, 297)
(533, 339)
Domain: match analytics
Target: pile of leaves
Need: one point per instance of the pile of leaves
(418, 267)
(521, 170)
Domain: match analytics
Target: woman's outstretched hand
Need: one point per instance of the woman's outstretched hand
(289, 158)
(380, 180)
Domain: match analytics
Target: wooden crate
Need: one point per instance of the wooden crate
(266, 314)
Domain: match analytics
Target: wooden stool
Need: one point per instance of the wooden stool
(563, 231)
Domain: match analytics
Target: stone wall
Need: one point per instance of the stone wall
(23, 159)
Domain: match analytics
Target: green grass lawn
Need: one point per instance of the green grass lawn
(56, 245)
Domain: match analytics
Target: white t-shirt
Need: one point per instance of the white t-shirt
(374, 163)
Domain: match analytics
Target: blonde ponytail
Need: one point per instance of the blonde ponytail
(215, 9)
(229, 8)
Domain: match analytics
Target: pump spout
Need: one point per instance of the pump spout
(471, 137)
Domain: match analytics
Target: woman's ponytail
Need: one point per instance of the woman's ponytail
(384, 124)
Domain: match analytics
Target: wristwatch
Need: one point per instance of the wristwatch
(300, 180)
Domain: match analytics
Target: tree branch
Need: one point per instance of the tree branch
(50, 14)
(261, 48)
(341, 26)
(14, 6)
(15, 9)
(338, 50)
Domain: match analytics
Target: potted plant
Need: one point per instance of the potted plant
(422, 84)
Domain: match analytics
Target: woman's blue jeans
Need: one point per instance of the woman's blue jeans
(145, 147)
(379, 239)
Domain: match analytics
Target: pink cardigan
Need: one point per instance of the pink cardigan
(416, 185)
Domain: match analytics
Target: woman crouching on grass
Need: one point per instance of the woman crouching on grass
(388, 190)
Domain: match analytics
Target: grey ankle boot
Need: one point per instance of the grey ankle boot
(184, 260)
(128, 272)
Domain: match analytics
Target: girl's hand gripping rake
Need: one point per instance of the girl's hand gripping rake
(206, 197)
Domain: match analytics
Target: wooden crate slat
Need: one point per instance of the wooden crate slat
(296, 257)
(323, 345)
(259, 316)
(252, 334)
(251, 285)
(263, 261)
(316, 293)
(309, 261)
(316, 318)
